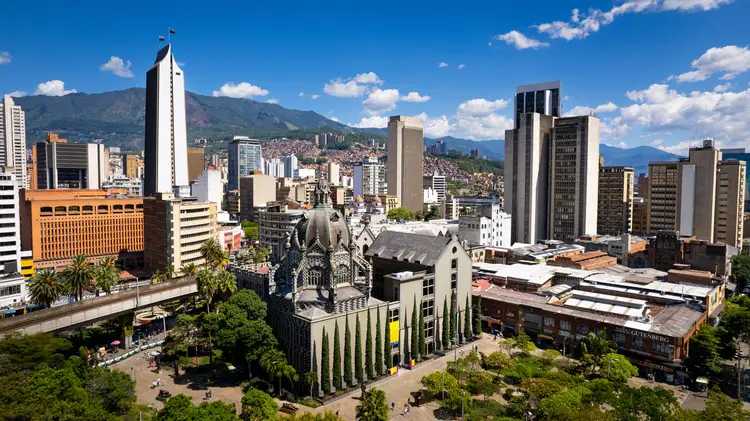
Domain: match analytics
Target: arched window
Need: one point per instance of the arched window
(315, 277)
(365, 248)
(343, 274)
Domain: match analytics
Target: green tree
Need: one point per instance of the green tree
(432, 213)
(259, 406)
(563, 406)
(336, 358)
(251, 231)
(310, 378)
(618, 368)
(454, 330)
(180, 408)
(369, 367)
(359, 367)
(181, 337)
(379, 363)
(226, 284)
(387, 359)
(645, 403)
(703, 358)
(541, 388)
(459, 332)
(106, 275)
(261, 254)
(45, 288)
(212, 254)
(208, 286)
(189, 269)
(422, 339)
(274, 363)
(414, 343)
(467, 319)
(741, 270)
(438, 381)
(721, 407)
(476, 314)
(348, 370)
(401, 214)
(497, 361)
(325, 366)
(78, 276)
(482, 383)
(594, 347)
(446, 336)
(372, 406)
(23, 353)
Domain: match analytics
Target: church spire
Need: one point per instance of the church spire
(322, 194)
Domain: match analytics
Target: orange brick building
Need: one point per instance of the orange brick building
(56, 225)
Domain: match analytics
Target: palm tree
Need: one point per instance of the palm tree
(226, 284)
(211, 252)
(106, 275)
(274, 363)
(189, 269)
(46, 288)
(208, 284)
(78, 276)
(372, 406)
(168, 273)
(157, 276)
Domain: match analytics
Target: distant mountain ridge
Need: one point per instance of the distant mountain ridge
(118, 118)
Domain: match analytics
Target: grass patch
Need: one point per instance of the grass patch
(308, 402)
(486, 410)
(524, 367)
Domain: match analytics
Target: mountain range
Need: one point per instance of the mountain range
(118, 117)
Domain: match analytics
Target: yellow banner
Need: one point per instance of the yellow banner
(395, 332)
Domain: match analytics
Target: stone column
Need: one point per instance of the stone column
(126, 330)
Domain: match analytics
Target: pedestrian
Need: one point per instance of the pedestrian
(393, 405)
(404, 414)
(408, 406)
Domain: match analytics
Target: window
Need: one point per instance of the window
(565, 325)
(393, 316)
(510, 314)
(637, 343)
(454, 264)
(428, 308)
(582, 329)
(549, 322)
(429, 329)
(395, 293)
(662, 348)
(428, 287)
(454, 278)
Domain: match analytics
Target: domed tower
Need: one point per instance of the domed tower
(322, 269)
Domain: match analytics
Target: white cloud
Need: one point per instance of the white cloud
(581, 25)
(301, 94)
(613, 128)
(723, 87)
(435, 127)
(380, 101)
(375, 121)
(334, 118)
(443, 64)
(730, 60)
(481, 107)
(584, 110)
(520, 41)
(315, 96)
(240, 90)
(492, 126)
(415, 97)
(272, 101)
(5, 57)
(461, 66)
(683, 147)
(117, 66)
(17, 94)
(53, 88)
(622, 145)
(368, 78)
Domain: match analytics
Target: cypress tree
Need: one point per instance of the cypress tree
(414, 332)
(378, 347)
(422, 339)
(359, 368)
(336, 358)
(348, 354)
(460, 337)
(476, 313)
(325, 365)
(446, 326)
(387, 345)
(369, 367)
(467, 319)
(453, 318)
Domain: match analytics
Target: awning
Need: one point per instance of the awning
(9, 310)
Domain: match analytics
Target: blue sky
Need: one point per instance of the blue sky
(658, 72)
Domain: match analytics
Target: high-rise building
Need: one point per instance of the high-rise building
(13, 140)
(573, 177)
(10, 224)
(166, 161)
(435, 182)
(740, 155)
(642, 188)
(255, 190)
(541, 98)
(274, 168)
(369, 177)
(290, 166)
(177, 227)
(208, 188)
(62, 165)
(615, 214)
(333, 173)
(57, 225)
(663, 179)
(244, 157)
(527, 176)
(640, 215)
(130, 166)
(405, 163)
(730, 200)
(196, 163)
(275, 223)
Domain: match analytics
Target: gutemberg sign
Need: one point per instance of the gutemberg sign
(642, 334)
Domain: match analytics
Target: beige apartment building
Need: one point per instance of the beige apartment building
(175, 229)
(405, 166)
(196, 163)
(640, 214)
(730, 201)
(663, 179)
(255, 190)
(615, 214)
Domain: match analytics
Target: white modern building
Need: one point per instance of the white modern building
(431, 197)
(541, 98)
(274, 168)
(165, 166)
(13, 140)
(208, 188)
(62, 165)
(334, 170)
(369, 178)
(437, 183)
(12, 285)
(245, 156)
(290, 165)
(305, 173)
(488, 226)
(134, 186)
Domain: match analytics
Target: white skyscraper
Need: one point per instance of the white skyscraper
(274, 168)
(13, 139)
(12, 285)
(369, 177)
(166, 168)
(333, 173)
(290, 166)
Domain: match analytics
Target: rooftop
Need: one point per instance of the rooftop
(409, 247)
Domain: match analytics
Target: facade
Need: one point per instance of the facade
(573, 177)
(177, 227)
(130, 165)
(62, 165)
(740, 155)
(305, 174)
(730, 202)
(624, 247)
(334, 171)
(642, 187)
(369, 177)
(275, 224)
(57, 225)
(232, 202)
(196, 163)
(165, 151)
(255, 190)
(405, 164)
(435, 182)
(487, 226)
(244, 158)
(132, 186)
(591, 260)
(13, 140)
(615, 213)
(640, 215)
(208, 188)
(290, 165)
(274, 168)
(10, 224)
(541, 98)
(229, 238)
(663, 181)
(527, 170)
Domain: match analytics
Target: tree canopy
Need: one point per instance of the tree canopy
(401, 214)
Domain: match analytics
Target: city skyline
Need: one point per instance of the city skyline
(465, 86)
